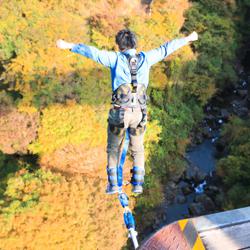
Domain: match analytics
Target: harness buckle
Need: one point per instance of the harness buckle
(134, 99)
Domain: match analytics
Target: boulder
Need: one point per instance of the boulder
(186, 188)
(193, 173)
(170, 191)
(207, 132)
(171, 185)
(196, 209)
(210, 117)
(236, 104)
(221, 100)
(190, 172)
(175, 177)
(213, 189)
(219, 200)
(200, 198)
(242, 92)
(200, 176)
(225, 114)
(198, 138)
(180, 199)
(206, 201)
(242, 112)
(221, 144)
(240, 107)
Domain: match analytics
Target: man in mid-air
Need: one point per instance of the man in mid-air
(130, 77)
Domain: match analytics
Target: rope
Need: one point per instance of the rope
(123, 198)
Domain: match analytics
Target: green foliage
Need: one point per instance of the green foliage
(8, 166)
(28, 53)
(243, 23)
(147, 203)
(87, 89)
(217, 47)
(235, 168)
(5, 99)
(237, 196)
(176, 118)
(23, 191)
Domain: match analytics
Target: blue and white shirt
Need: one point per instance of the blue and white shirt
(118, 62)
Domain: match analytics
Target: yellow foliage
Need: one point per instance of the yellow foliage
(34, 29)
(71, 214)
(70, 124)
(152, 135)
(75, 213)
(26, 108)
(158, 77)
(31, 30)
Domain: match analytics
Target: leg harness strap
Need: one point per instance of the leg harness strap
(137, 176)
(112, 175)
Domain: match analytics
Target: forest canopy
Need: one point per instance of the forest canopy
(57, 196)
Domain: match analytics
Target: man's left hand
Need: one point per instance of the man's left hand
(193, 37)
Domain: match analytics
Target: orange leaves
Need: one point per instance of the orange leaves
(14, 140)
(71, 214)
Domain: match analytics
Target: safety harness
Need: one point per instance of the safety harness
(131, 94)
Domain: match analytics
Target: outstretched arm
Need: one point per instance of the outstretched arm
(104, 57)
(156, 55)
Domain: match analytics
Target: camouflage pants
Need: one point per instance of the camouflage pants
(119, 120)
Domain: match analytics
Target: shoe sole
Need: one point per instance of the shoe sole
(137, 192)
(114, 192)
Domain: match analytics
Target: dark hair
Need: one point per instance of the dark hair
(126, 39)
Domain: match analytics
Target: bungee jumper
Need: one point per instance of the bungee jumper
(128, 115)
(130, 77)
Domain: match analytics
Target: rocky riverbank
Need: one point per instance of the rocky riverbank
(198, 190)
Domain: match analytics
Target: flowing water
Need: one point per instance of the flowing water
(203, 157)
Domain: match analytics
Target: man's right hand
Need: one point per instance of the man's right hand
(61, 44)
